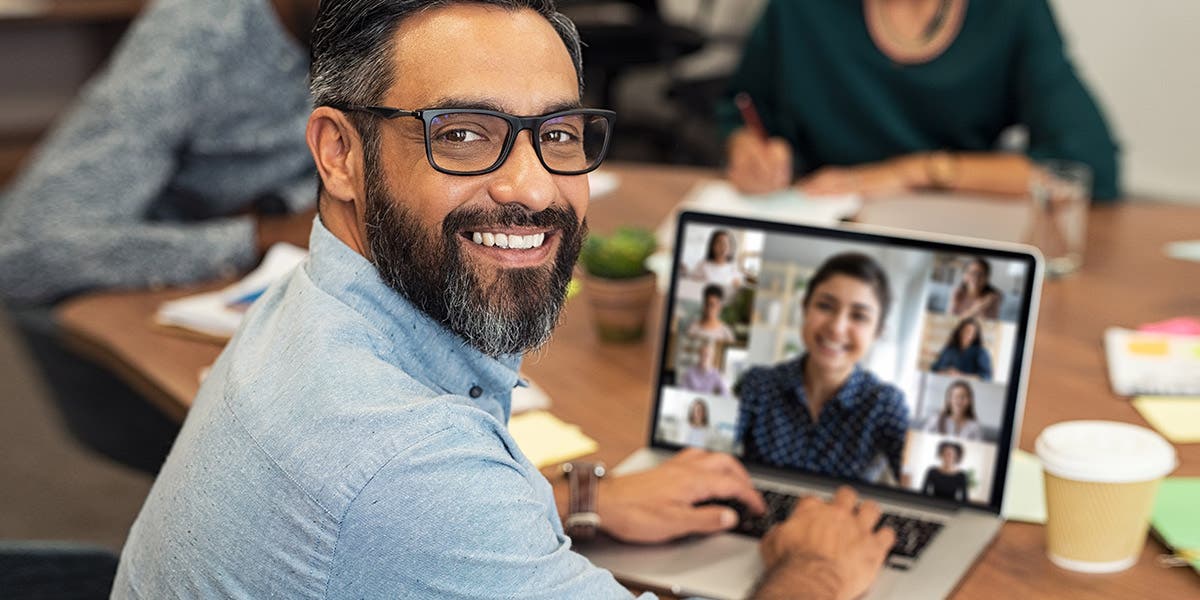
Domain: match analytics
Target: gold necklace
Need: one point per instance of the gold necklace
(937, 35)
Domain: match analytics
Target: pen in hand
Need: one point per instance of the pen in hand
(745, 105)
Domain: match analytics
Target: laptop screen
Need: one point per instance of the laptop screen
(865, 358)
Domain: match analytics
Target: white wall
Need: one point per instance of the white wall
(1140, 59)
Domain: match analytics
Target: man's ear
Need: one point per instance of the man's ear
(337, 151)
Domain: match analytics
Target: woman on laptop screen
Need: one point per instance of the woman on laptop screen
(958, 415)
(823, 412)
(964, 353)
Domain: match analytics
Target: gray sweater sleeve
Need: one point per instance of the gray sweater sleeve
(75, 219)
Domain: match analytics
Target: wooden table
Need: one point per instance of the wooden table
(1126, 280)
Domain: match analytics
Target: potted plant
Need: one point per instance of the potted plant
(617, 283)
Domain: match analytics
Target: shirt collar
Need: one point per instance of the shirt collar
(846, 396)
(423, 348)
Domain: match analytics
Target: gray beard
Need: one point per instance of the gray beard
(514, 313)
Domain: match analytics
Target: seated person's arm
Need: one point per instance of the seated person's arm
(75, 218)
(456, 516)
(1063, 119)
(996, 173)
(942, 363)
(984, 366)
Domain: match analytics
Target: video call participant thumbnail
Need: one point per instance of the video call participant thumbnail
(964, 353)
(798, 414)
(946, 480)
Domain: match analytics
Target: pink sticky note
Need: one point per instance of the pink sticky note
(1177, 326)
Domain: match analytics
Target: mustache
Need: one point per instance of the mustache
(510, 215)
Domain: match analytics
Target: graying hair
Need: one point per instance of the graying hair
(352, 45)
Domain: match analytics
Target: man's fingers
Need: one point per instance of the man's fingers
(845, 498)
(868, 514)
(709, 519)
(724, 463)
(885, 538)
(724, 486)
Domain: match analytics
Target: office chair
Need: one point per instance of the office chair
(55, 571)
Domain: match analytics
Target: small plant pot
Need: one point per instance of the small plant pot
(620, 306)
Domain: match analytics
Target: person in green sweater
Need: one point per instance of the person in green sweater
(885, 96)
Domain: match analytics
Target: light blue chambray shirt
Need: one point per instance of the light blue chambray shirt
(347, 446)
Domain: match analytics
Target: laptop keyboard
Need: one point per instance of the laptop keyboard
(912, 534)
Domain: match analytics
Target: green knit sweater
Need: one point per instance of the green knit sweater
(819, 81)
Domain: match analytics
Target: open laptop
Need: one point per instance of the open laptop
(942, 526)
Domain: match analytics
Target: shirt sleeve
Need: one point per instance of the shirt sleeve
(75, 218)
(1063, 119)
(943, 360)
(456, 516)
(983, 364)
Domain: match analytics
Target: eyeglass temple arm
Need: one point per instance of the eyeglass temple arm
(379, 111)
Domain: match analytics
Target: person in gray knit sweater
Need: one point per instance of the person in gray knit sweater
(181, 161)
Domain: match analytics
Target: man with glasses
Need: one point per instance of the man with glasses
(351, 441)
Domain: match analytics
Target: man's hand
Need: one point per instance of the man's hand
(659, 504)
(293, 229)
(828, 549)
(758, 165)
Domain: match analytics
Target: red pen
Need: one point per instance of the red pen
(749, 115)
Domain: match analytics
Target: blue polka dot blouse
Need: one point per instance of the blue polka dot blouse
(866, 418)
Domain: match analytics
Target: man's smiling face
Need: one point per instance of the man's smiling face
(488, 255)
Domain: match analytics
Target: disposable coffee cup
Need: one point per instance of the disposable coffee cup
(1101, 478)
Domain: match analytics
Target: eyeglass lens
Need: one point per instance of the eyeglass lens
(465, 141)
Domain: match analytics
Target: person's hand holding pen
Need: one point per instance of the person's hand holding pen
(758, 164)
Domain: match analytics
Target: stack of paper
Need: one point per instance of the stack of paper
(1177, 418)
(217, 314)
(546, 440)
(787, 206)
(1153, 363)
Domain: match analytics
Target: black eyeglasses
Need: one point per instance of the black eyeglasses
(467, 141)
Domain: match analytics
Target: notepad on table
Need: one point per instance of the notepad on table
(1177, 418)
(546, 440)
(1152, 363)
(1176, 517)
(216, 315)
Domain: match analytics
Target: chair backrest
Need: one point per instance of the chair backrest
(49, 570)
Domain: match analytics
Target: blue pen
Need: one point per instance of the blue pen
(248, 298)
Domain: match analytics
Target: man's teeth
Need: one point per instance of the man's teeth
(503, 240)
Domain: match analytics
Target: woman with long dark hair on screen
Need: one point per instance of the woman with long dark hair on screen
(975, 296)
(720, 262)
(957, 417)
(823, 412)
(964, 353)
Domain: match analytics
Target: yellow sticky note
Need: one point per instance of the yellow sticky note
(1024, 491)
(1196, 350)
(1176, 417)
(546, 440)
(1149, 346)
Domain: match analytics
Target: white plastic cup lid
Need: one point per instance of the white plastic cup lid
(1104, 452)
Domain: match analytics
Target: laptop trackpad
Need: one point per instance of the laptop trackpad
(722, 566)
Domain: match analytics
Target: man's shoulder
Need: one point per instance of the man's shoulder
(308, 378)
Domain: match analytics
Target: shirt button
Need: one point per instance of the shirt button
(476, 392)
